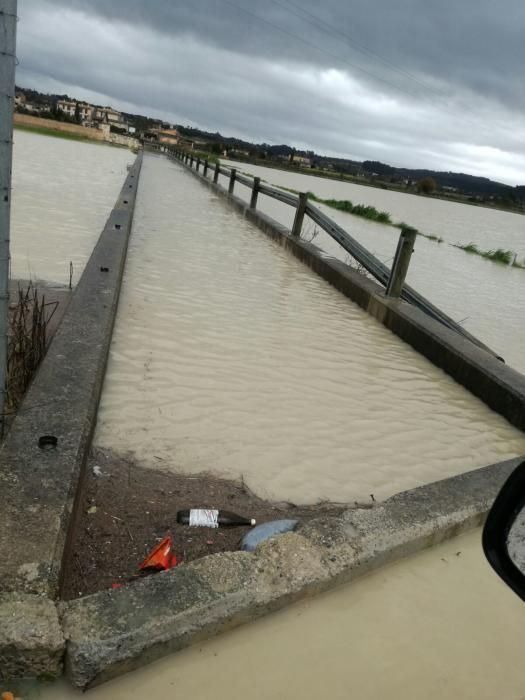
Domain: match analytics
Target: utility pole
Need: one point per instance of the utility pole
(8, 19)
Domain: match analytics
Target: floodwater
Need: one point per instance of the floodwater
(485, 296)
(231, 356)
(439, 625)
(63, 192)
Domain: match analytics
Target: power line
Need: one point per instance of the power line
(330, 29)
(308, 43)
(319, 48)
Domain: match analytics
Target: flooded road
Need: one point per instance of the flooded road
(485, 296)
(438, 625)
(230, 356)
(63, 192)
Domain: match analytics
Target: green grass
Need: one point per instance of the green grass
(469, 248)
(204, 155)
(499, 255)
(43, 131)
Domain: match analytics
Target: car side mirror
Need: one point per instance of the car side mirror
(504, 532)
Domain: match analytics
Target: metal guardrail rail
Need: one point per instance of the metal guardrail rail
(363, 256)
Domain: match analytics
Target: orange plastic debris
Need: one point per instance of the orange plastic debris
(8, 696)
(162, 557)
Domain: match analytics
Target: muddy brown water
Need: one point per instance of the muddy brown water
(437, 625)
(63, 192)
(485, 296)
(231, 357)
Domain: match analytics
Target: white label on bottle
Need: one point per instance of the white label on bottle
(204, 518)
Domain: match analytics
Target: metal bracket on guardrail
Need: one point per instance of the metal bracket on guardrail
(233, 175)
(404, 250)
(255, 192)
(299, 214)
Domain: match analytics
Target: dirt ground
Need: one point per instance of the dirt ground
(127, 510)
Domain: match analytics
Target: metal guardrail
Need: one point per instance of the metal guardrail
(363, 256)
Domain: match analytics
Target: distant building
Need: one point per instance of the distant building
(71, 107)
(67, 107)
(85, 111)
(196, 144)
(236, 152)
(301, 160)
(168, 137)
(107, 115)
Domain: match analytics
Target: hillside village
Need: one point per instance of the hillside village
(111, 125)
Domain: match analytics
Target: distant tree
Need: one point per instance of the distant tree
(427, 185)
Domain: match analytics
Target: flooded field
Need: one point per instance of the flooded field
(230, 356)
(436, 625)
(484, 295)
(63, 192)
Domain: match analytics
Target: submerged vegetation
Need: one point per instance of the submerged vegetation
(369, 212)
(505, 257)
(499, 255)
(363, 210)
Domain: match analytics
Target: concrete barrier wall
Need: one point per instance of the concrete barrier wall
(39, 486)
(38, 122)
(86, 132)
(498, 385)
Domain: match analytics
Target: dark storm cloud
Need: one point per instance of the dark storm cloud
(473, 43)
(447, 92)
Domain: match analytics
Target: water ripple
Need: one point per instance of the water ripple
(231, 356)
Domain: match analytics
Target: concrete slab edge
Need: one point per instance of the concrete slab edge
(40, 487)
(496, 384)
(115, 631)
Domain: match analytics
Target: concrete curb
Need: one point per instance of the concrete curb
(31, 639)
(113, 632)
(40, 486)
(496, 384)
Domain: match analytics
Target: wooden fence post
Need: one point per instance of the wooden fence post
(233, 175)
(255, 192)
(198, 164)
(299, 214)
(216, 173)
(205, 171)
(405, 248)
(191, 161)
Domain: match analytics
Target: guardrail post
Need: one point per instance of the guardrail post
(205, 171)
(198, 164)
(216, 173)
(191, 161)
(404, 250)
(187, 158)
(255, 192)
(233, 175)
(299, 214)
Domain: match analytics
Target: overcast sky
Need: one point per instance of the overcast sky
(416, 83)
